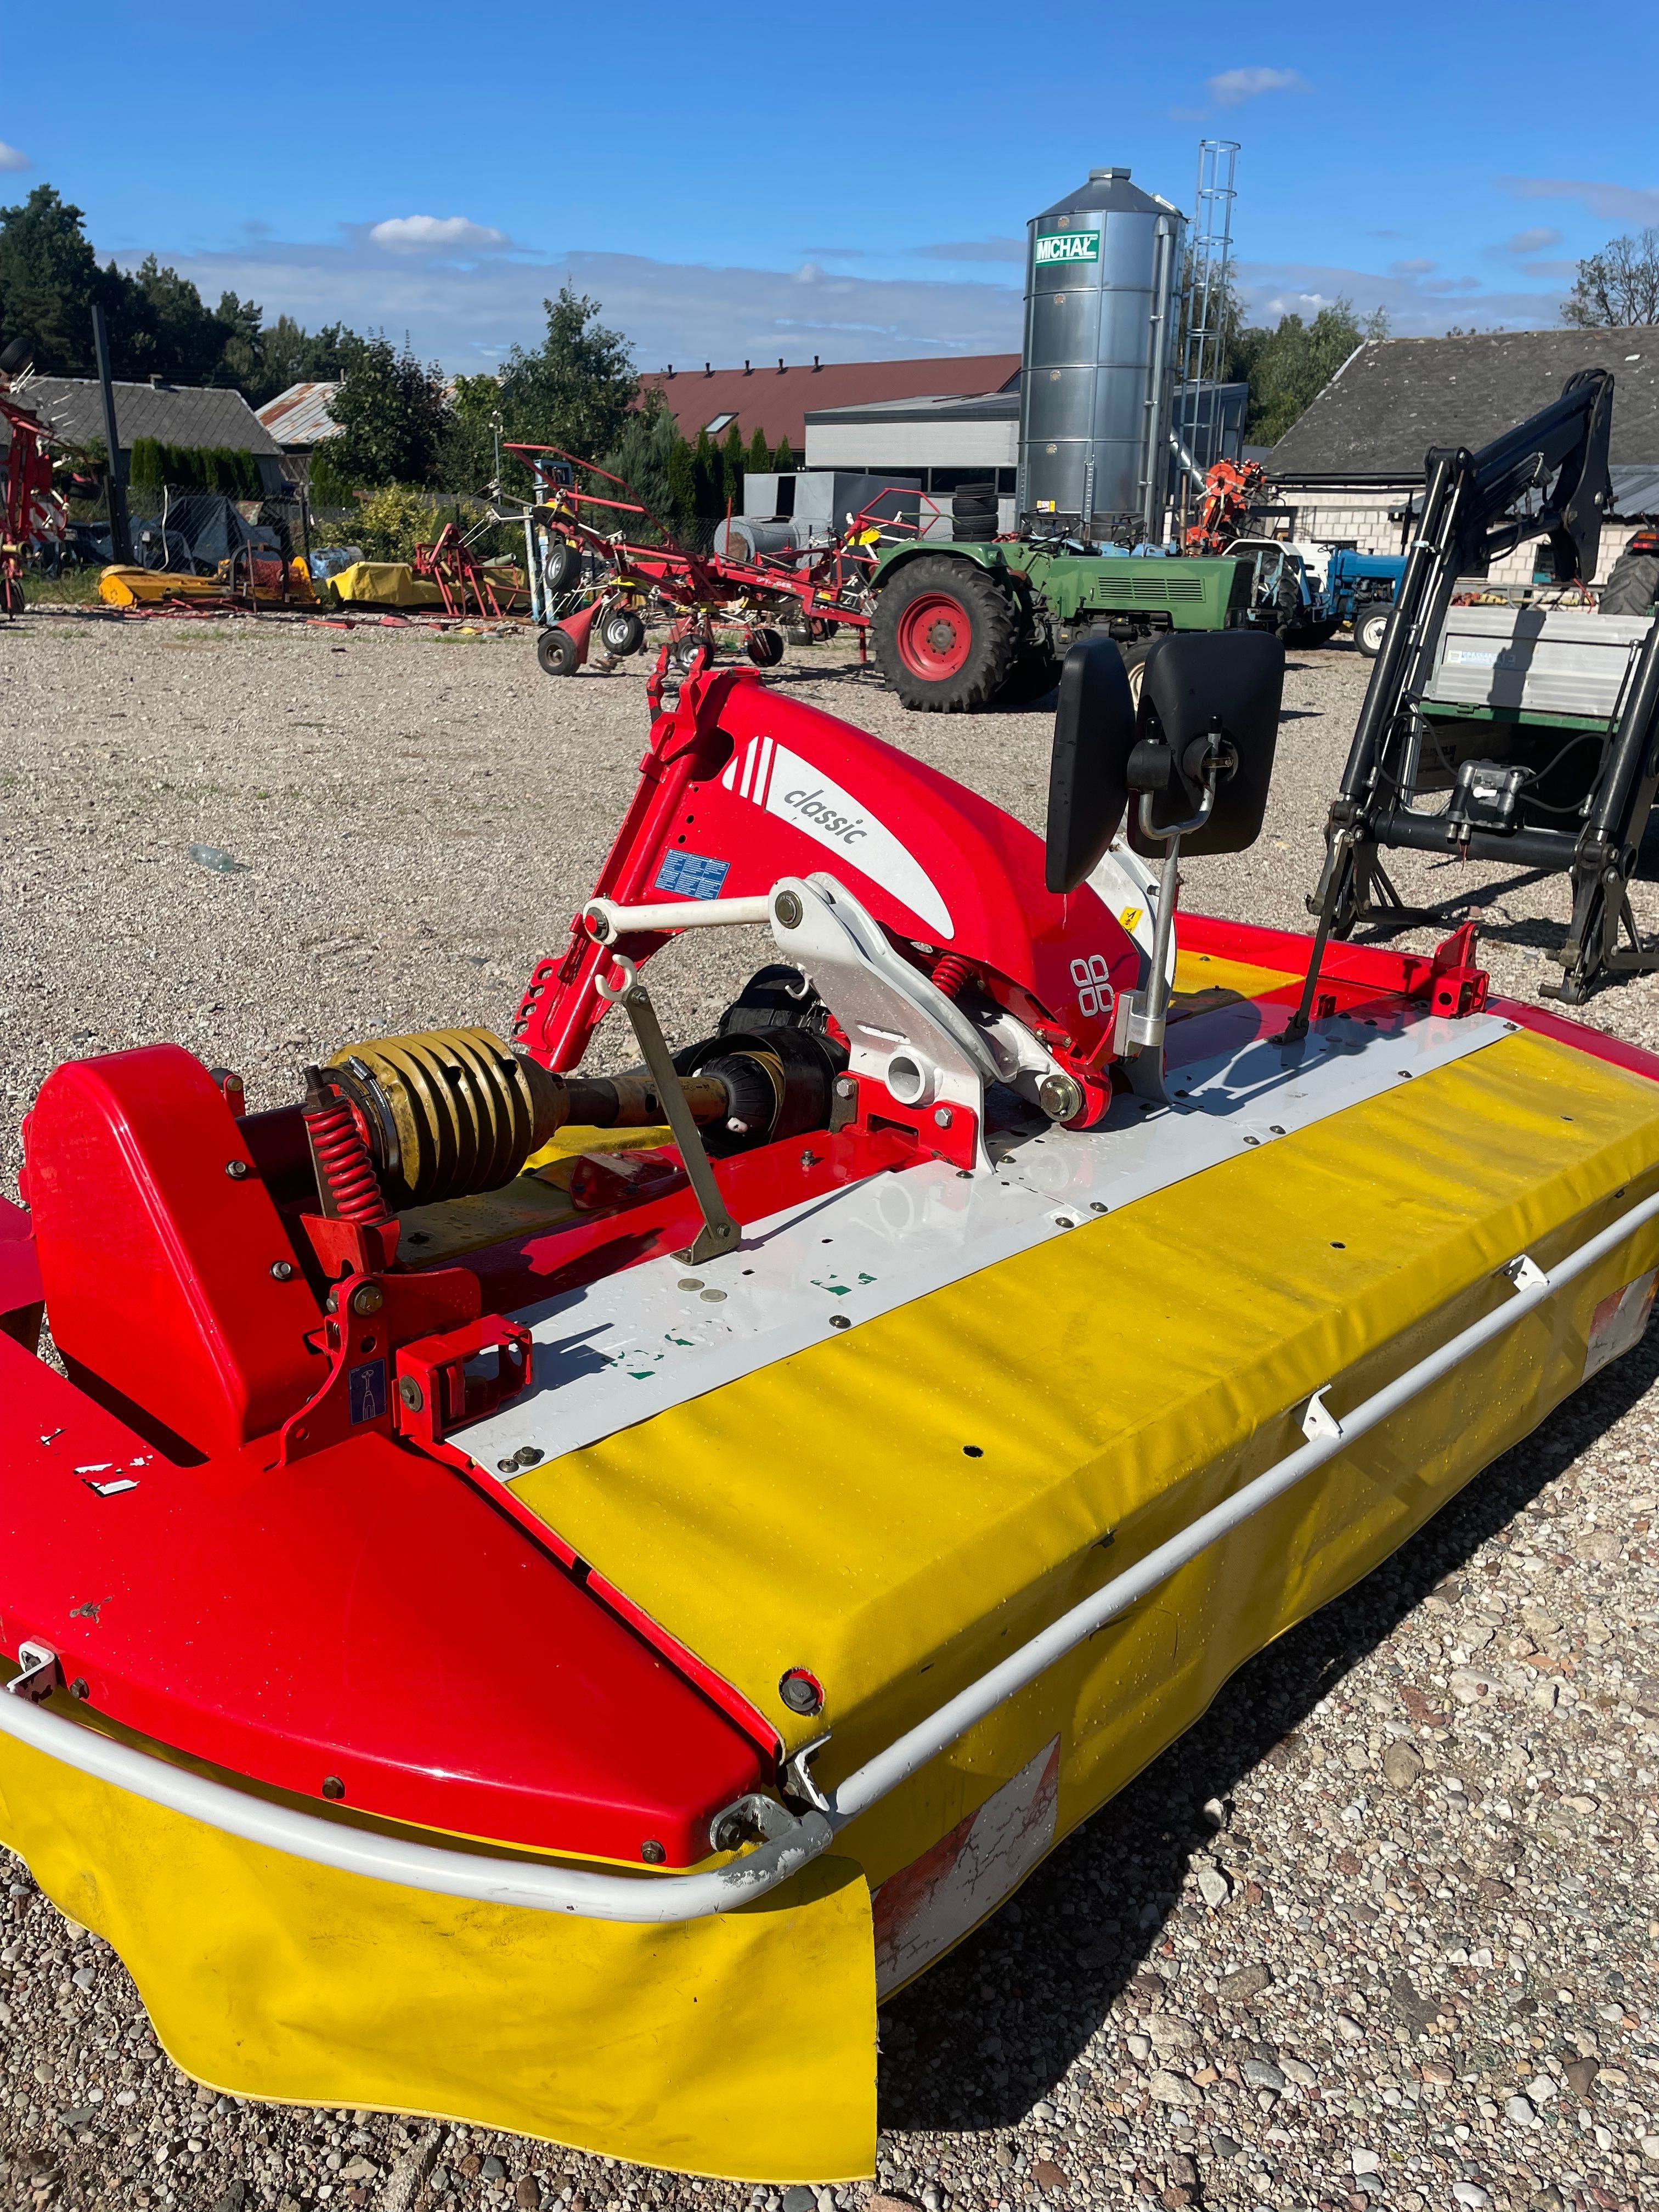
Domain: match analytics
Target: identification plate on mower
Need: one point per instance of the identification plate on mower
(692, 875)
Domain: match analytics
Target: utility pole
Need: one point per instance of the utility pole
(120, 532)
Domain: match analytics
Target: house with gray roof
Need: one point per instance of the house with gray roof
(204, 416)
(1347, 468)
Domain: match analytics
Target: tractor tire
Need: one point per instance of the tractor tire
(556, 650)
(622, 632)
(1305, 636)
(1134, 660)
(945, 634)
(563, 565)
(1033, 675)
(1370, 627)
(764, 647)
(1633, 586)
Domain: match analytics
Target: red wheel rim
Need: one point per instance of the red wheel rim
(934, 635)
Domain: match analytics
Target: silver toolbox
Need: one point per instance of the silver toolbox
(1560, 662)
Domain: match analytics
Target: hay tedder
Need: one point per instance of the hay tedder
(543, 1595)
(31, 513)
(588, 583)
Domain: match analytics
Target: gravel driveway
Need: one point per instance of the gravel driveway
(1379, 1932)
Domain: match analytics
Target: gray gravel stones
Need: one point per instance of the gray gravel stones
(1379, 1932)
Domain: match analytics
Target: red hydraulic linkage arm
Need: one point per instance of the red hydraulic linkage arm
(561, 1009)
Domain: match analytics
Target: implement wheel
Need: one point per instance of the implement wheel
(944, 634)
(1369, 625)
(555, 649)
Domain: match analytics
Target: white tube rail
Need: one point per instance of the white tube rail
(648, 1898)
(607, 920)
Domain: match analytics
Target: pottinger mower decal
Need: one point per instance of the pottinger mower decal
(1094, 995)
(784, 784)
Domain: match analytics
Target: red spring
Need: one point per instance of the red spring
(343, 1161)
(952, 974)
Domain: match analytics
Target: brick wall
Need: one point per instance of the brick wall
(1362, 518)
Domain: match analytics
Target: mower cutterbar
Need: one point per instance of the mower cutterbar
(474, 1659)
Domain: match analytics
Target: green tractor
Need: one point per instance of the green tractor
(959, 624)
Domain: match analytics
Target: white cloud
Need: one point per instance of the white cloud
(1413, 267)
(1419, 304)
(1531, 242)
(467, 317)
(1617, 203)
(434, 234)
(11, 157)
(1232, 87)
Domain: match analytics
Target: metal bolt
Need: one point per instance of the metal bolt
(788, 909)
(283, 1270)
(332, 1786)
(411, 1392)
(801, 1691)
(1098, 1205)
(366, 1299)
(714, 1298)
(809, 1159)
(845, 1087)
(652, 1852)
(943, 1117)
(528, 1455)
(1060, 1096)
(690, 1282)
(840, 1321)
(1275, 1129)
(78, 1687)
(236, 1169)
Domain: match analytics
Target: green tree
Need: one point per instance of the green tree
(391, 412)
(759, 456)
(49, 279)
(467, 459)
(1289, 366)
(708, 478)
(682, 473)
(1616, 287)
(575, 389)
(732, 460)
(645, 457)
(783, 460)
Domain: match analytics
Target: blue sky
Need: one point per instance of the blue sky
(753, 181)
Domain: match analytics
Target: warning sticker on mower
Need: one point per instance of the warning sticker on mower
(932, 1903)
(1620, 1322)
(692, 875)
(791, 788)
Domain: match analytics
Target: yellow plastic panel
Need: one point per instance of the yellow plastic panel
(742, 2046)
(824, 1512)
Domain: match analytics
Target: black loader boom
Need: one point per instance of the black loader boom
(1540, 726)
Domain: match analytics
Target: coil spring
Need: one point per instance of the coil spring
(951, 974)
(342, 1161)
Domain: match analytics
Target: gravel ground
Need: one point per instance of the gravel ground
(1379, 1933)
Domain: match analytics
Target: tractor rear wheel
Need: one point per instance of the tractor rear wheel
(1632, 586)
(1134, 660)
(944, 634)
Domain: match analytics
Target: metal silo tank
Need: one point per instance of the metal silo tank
(1102, 274)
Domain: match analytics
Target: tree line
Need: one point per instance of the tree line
(401, 421)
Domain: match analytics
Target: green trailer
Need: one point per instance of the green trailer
(959, 624)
